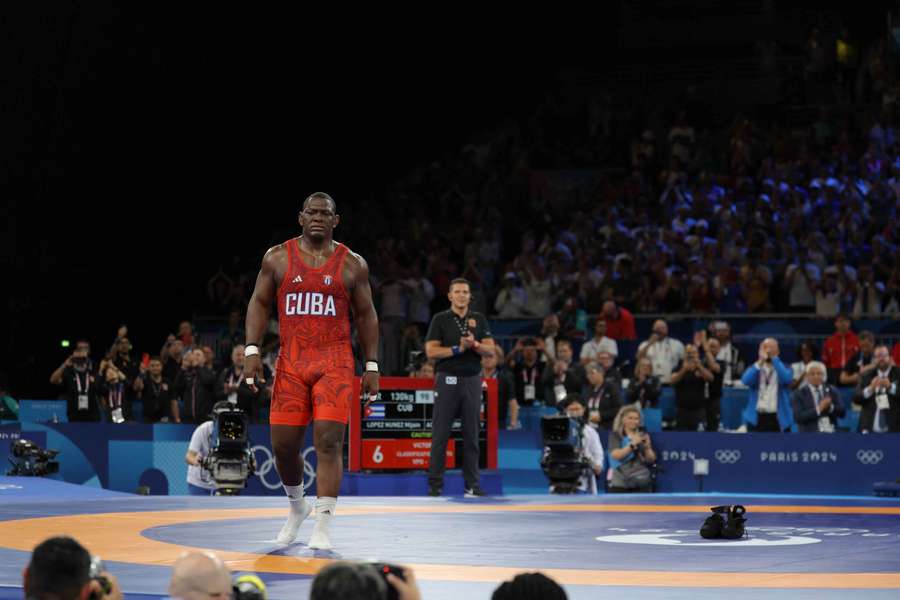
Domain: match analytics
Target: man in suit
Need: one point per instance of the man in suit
(818, 405)
(879, 395)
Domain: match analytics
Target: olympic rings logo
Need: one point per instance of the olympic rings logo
(869, 457)
(264, 467)
(728, 457)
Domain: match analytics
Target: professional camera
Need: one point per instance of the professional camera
(386, 568)
(563, 461)
(417, 358)
(29, 459)
(96, 572)
(230, 460)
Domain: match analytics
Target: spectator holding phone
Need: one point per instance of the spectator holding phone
(664, 352)
(690, 380)
(112, 385)
(128, 373)
(195, 386)
(171, 355)
(80, 389)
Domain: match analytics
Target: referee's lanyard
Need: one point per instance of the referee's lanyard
(529, 376)
(462, 324)
(83, 398)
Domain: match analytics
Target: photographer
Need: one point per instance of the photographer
(112, 387)
(631, 453)
(129, 370)
(199, 480)
(664, 352)
(690, 379)
(194, 385)
(60, 569)
(591, 447)
(562, 376)
(80, 386)
(362, 581)
(82, 348)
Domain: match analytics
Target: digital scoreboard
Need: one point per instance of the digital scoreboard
(394, 431)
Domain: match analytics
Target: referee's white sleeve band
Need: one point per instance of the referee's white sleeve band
(372, 366)
(251, 350)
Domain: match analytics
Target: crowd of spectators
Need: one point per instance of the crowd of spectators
(179, 383)
(805, 395)
(669, 211)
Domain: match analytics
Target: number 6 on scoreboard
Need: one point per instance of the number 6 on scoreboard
(377, 456)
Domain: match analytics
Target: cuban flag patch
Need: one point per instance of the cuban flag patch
(375, 411)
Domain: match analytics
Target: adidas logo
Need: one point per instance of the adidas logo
(297, 279)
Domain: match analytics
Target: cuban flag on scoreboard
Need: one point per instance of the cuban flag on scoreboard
(375, 411)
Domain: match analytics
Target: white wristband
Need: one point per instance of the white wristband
(371, 366)
(251, 350)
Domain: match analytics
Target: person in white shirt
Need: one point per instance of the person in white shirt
(199, 480)
(549, 334)
(591, 350)
(801, 279)
(664, 352)
(729, 354)
(511, 299)
(591, 446)
(769, 401)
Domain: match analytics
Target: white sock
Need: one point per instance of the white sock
(295, 496)
(300, 509)
(324, 514)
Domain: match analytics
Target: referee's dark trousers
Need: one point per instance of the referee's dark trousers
(455, 395)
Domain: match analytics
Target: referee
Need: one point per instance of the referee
(457, 339)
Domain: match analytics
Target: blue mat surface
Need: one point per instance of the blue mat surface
(649, 542)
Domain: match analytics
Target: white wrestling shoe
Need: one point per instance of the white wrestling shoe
(319, 540)
(288, 533)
